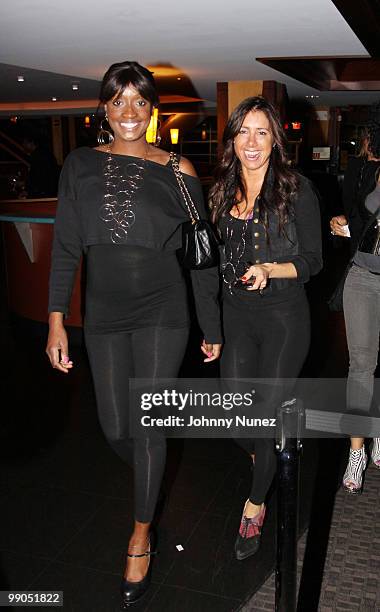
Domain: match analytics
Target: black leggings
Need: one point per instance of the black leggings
(265, 340)
(114, 358)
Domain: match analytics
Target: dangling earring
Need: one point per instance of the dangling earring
(104, 137)
(158, 135)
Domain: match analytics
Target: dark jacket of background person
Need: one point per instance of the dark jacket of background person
(359, 181)
(42, 181)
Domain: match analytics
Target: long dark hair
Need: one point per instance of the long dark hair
(118, 76)
(373, 130)
(280, 183)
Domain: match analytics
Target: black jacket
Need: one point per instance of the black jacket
(359, 181)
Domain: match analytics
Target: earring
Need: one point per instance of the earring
(104, 137)
(158, 135)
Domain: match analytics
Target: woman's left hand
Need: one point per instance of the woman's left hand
(211, 350)
(260, 273)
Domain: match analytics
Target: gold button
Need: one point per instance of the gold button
(255, 220)
(257, 261)
(256, 246)
(256, 234)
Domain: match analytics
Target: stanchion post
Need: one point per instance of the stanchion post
(290, 418)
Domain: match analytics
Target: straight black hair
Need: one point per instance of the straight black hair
(119, 76)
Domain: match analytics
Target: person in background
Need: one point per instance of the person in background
(268, 216)
(42, 179)
(121, 205)
(361, 296)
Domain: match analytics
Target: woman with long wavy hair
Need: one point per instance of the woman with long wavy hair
(361, 200)
(268, 217)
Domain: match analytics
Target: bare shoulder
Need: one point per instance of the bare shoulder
(158, 155)
(187, 167)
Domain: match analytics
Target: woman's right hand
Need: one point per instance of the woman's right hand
(337, 226)
(57, 342)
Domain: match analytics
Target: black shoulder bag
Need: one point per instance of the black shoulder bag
(199, 243)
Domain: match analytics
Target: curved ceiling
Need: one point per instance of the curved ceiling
(205, 40)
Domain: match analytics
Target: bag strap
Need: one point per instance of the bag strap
(191, 208)
(372, 218)
(367, 225)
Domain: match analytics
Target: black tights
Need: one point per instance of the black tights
(114, 358)
(265, 340)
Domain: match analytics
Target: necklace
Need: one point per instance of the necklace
(234, 265)
(121, 185)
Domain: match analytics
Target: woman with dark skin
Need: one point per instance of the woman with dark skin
(120, 204)
(268, 217)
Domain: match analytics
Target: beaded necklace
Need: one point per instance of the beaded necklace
(234, 266)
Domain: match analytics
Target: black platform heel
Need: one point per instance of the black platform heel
(132, 592)
(248, 540)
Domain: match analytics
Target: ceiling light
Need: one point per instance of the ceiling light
(54, 99)
(164, 71)
(75, 86)
(20, 78)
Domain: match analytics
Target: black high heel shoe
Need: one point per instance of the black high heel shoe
(132, 592)
(248, 540)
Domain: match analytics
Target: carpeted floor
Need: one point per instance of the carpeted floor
(351, 571)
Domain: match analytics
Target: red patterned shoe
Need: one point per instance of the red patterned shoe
(248, 540)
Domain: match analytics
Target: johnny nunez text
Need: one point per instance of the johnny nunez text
(176, 421)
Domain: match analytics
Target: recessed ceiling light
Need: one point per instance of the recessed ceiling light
(54, 99)
(179, 79)
(20, 78)
(75, 86)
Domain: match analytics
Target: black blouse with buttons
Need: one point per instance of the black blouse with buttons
(247, 242)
